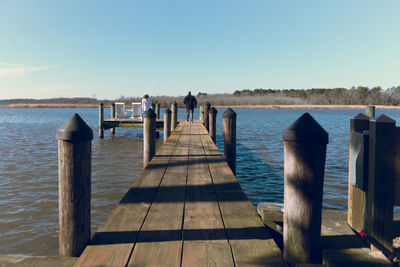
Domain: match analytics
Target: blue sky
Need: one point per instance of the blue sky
(54, 48)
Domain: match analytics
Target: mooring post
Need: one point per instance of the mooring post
(206, 109)
(382, 132)
(213, 123)
(167, 124)
(113, 116)
(357, 199)
(229, 133)
(174, 115)
(305, 144)
(74, 174)
(158, 111)
(101, 120)
(201, 115)
(149, 136)
(370, 111)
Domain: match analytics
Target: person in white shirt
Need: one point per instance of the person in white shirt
(146, 103)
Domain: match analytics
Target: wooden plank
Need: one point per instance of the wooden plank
(251, 244)
(205, 240)
(160, 239)
(113, 243)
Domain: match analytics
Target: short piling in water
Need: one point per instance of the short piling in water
(74, 173)
(101, 120)
(370, 111)
(158, 111)
(201, 114)
(229, 133)
(167, 124)
(305, 144)
(206, 109)
(213, 123)
(113, 116)
(149, 136)
(174, 115)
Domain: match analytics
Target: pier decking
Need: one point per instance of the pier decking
(185, 209)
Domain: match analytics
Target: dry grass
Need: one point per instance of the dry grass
(52, 106)
(307, 106)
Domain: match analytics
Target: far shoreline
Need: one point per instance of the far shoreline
(216, 106)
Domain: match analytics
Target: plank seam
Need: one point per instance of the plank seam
(219, 207)
(155, 195)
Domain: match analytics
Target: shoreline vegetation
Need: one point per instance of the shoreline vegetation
(216, 106)
(337, 98)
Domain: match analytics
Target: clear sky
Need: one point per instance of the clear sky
(105, 49)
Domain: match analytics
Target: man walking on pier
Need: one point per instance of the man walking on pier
(190, 103)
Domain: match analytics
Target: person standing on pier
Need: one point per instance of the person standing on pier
(190, 102)
(146, 103)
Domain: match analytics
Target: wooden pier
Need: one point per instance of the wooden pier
(185, 209)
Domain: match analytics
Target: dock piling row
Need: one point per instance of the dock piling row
(149, 136)
(229, 133)
(167, 124)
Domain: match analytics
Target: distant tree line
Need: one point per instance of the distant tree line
(360, 95)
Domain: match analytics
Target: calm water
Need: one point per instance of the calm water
(29, 177)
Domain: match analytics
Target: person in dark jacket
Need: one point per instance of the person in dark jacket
(190, 102)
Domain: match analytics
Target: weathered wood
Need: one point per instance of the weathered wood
(167, 124)
(158, 111)
(74, 176)
(397, 169)
(112, 116)
(304, 164)
(101, 120)
(213, 123)
(201, 113)
(174, 115)
(229, 133)
(357, 200)
(206, 109)
(380, 180)
(370, 111)
(149, 136)
(113, 243)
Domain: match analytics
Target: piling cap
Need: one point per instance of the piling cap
(306, 130)
(229, 113)
(150, 114)
(75, 129)
(167, 110)
(213, 110)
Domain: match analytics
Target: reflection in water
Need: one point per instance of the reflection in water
(29, 176)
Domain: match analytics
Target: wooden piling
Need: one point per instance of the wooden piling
(149, 136)
(305, 144)
(74, 173)
(370, 111)
(381, 180)
(229, 133)
(213, 123)
(158, 111)
(206, 109)
(113, 116)
(201, 115)
(167, 124)
(101, 120)
(357, 199)
(174, 115)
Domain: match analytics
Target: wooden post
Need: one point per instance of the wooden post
(381, 180)
(229, 133)
(149, 136)
(305, 144)
(174, 115)
(167, 124)
(357, 199)
(370, 111)
(101, 120)
(213, 123)
(201, 113)
(113, 116)
(74, 174)
(206, 109)
(158, 111)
